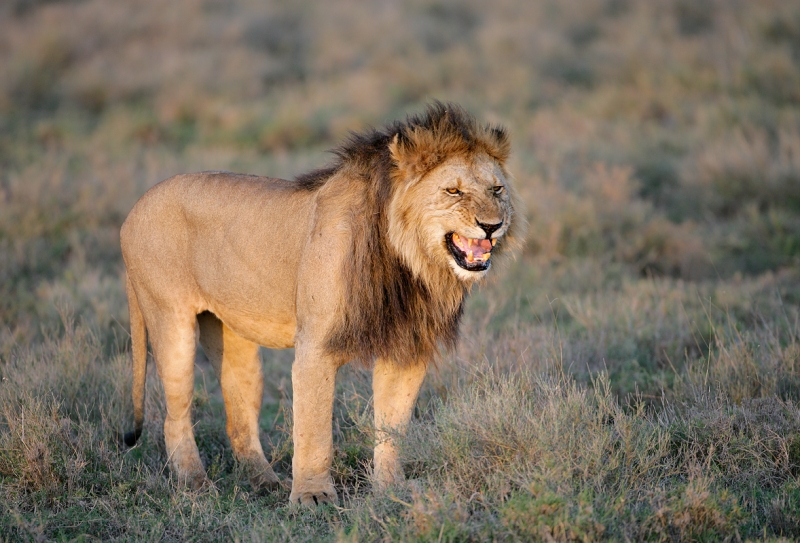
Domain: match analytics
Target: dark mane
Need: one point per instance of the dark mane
(314, 179)
(453, 129)
(389, 312)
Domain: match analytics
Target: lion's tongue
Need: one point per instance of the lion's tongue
(475, 249)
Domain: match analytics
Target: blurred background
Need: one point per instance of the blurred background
(656, 145)
(651, 140)
(661, 136)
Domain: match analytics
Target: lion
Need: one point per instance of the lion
(367, 260)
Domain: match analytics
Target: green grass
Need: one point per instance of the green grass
(511, 438)
(633, 375)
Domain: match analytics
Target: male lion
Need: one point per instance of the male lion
(368, 259)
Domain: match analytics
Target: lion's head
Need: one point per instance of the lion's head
(435, 209)
(453, 217)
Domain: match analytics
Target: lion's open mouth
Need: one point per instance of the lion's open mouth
(470, 254)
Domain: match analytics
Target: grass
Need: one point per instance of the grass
(633, 375)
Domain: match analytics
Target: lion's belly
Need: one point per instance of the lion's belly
(273, 331)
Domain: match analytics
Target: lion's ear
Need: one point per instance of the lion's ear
(501, 147)
(414, 154)
(396, 150)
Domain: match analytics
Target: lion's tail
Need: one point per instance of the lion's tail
(139, 347)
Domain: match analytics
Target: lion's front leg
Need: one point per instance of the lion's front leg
(313, 384)
(395, 388)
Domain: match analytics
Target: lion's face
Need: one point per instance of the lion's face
(453, 217)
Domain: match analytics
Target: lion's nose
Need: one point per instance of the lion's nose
(489, 228)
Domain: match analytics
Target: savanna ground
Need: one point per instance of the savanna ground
(633, 375)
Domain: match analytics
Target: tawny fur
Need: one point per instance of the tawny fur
(346, 263)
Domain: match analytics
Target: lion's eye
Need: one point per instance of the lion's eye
(497, 189)
(453, 191)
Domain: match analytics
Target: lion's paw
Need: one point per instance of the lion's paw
(314, 498)
(265, 481)
(262, 477)
(195, 482)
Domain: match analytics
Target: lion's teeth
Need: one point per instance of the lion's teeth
(469, 256)
(494, 242)
(486, 256)
(455, 238)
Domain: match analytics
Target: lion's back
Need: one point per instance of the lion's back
(190, 203)
(201, 230)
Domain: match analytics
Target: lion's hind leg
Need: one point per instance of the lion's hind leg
(238, 368)
(174, 342)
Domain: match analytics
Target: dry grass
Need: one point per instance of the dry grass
(633, 375)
